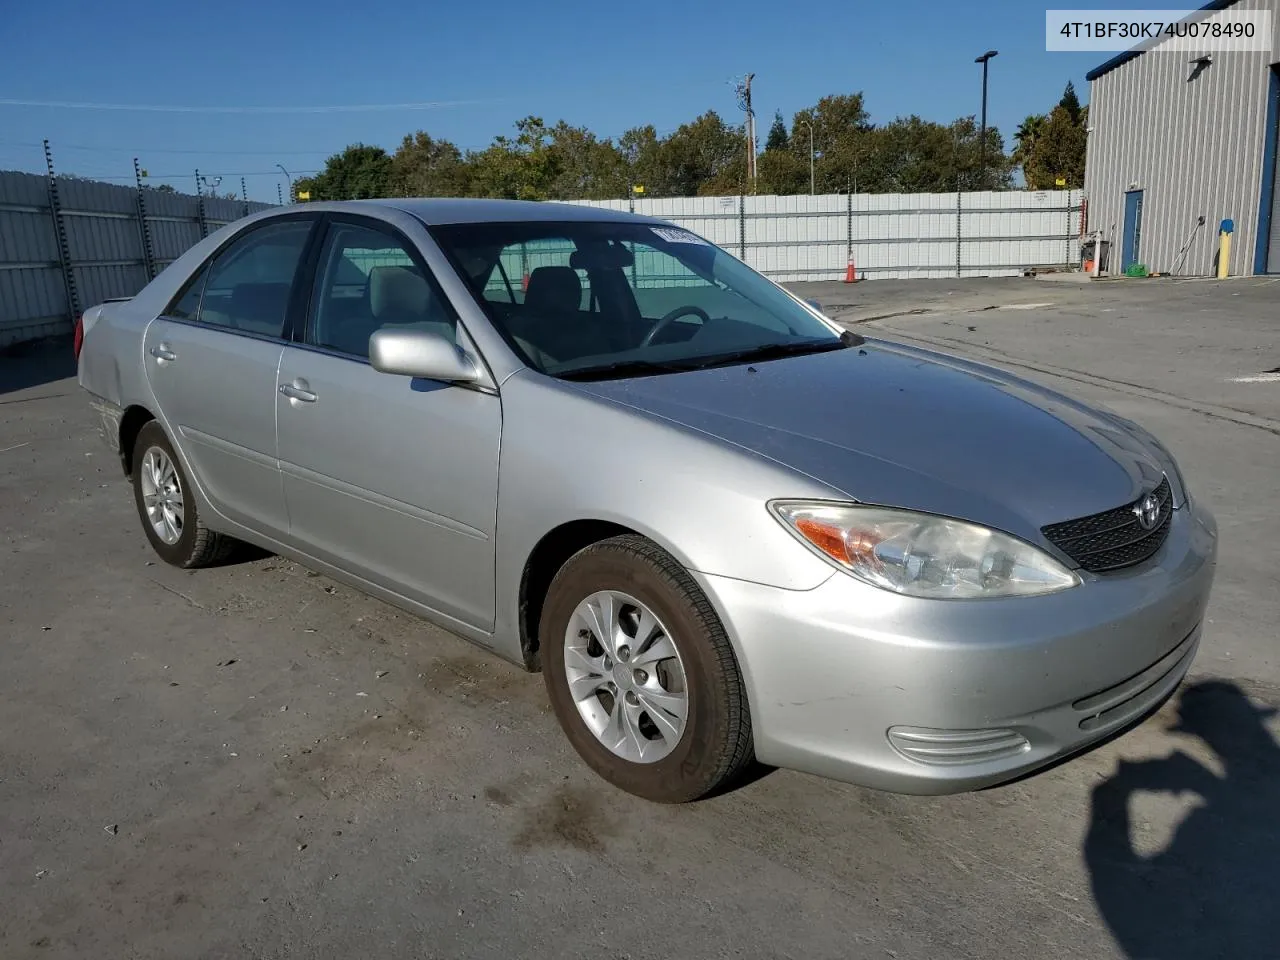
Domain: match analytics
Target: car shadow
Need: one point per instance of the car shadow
(1212, 891)
(36, 363)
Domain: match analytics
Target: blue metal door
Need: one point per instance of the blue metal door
(1132, 229)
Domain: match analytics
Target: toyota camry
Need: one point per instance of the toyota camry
(723, 527)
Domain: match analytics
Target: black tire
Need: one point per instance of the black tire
(198, 546)
(715, 747)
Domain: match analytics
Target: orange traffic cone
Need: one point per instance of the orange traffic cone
(524, 284)
(851, 272)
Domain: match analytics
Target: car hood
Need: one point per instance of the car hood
(898, 426)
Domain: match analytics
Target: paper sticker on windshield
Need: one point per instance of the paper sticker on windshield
(675, 235)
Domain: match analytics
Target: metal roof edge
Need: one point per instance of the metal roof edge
(1120, 59)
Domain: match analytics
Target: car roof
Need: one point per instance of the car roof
(442, 210)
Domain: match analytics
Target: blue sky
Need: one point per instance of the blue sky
(606, 65)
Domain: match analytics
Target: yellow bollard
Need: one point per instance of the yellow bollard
(1224, 248)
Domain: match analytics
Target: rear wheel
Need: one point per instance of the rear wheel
(641, 674)
(166, 507)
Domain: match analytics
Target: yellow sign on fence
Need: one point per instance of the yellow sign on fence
(304, 194)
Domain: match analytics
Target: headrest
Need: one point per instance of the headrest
(398, 292)
(554, 288)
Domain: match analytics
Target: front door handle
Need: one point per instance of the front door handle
(162, 352)
(298, 391)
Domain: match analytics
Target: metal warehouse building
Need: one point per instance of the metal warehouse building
(1179, 135)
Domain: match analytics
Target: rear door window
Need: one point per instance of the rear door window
(249, 283)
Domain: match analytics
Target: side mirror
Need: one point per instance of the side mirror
(817, 306)
(420, 353)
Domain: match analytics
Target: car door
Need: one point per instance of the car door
(212, 360)
(392, 478)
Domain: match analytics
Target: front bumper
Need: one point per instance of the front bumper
(854, 683)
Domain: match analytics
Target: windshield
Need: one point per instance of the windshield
(593, 299)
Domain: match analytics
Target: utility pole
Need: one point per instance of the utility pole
(985, 60)
(744, 103)
(809, 124)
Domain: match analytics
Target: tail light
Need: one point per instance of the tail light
(79, 341)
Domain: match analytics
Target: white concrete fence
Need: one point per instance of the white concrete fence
(889, 235)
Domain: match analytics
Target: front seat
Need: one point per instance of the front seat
(553, 318)
(553, 291)
(396, 296)
(401, 297)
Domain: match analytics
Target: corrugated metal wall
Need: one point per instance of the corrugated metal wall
(1193, 146)
(104, 244)
(892, 235)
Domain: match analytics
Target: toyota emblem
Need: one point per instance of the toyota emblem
(1148, 512)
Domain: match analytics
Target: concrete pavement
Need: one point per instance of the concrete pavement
(253, 761)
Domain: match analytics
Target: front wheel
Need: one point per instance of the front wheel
(641, 674)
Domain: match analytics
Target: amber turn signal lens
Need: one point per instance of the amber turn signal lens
(827, 538)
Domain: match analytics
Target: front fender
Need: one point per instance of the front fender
(568, 456)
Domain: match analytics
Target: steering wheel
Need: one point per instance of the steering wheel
(666, 321)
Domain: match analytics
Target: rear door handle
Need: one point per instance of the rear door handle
(162, 352)
(298, 391)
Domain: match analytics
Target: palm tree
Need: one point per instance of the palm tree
(1028, 132)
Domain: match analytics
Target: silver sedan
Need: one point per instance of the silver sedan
(723, 527)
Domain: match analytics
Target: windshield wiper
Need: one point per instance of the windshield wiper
(624, 368)
(776, 351)
(768, 351)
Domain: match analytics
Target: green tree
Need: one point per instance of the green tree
(641, 153)
(586, 168)
(842, 140)
(423, 166)
(912, 155)
(706, 156)
(781, 173)
(777, 139)
(1058, 152)
(520, 168)
(1071, 103)
(703, 157)
(360, 172)
(1029, 131)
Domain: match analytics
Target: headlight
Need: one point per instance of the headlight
(921, 555)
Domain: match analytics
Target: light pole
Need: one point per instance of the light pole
(810, 126)
(289, 178)
(985, 60)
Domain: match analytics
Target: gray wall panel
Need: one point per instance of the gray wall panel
(104, 241)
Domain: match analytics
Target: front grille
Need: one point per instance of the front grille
(1115, 538)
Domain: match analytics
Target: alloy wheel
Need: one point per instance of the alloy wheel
(626, 677)
(162, 495)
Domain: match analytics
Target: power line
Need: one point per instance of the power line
(98, 148)
(189, 151)
(174, 108)
(179, 176)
